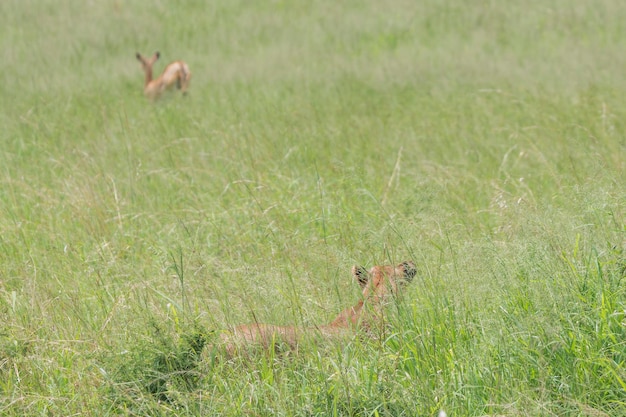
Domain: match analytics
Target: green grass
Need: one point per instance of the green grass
(483, 140)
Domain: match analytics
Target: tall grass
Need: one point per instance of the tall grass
(485, 141)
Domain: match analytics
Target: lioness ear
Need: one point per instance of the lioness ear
(361, 275)
(409, 270)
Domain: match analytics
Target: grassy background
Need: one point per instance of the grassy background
(483, 140)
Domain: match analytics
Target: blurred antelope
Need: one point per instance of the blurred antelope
(176, 73)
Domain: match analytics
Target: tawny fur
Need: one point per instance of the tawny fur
(377, 284)
(175, 74)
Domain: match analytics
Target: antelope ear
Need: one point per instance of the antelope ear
(409, 270)
(361, 275)
(157, 55)
(138, 56)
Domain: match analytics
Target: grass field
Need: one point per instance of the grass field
(483, 140)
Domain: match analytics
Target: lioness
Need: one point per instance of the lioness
(377, 283)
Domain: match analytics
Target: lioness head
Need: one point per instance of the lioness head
(383, 280)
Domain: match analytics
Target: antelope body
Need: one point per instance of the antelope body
(377, 284)
(175, 74)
